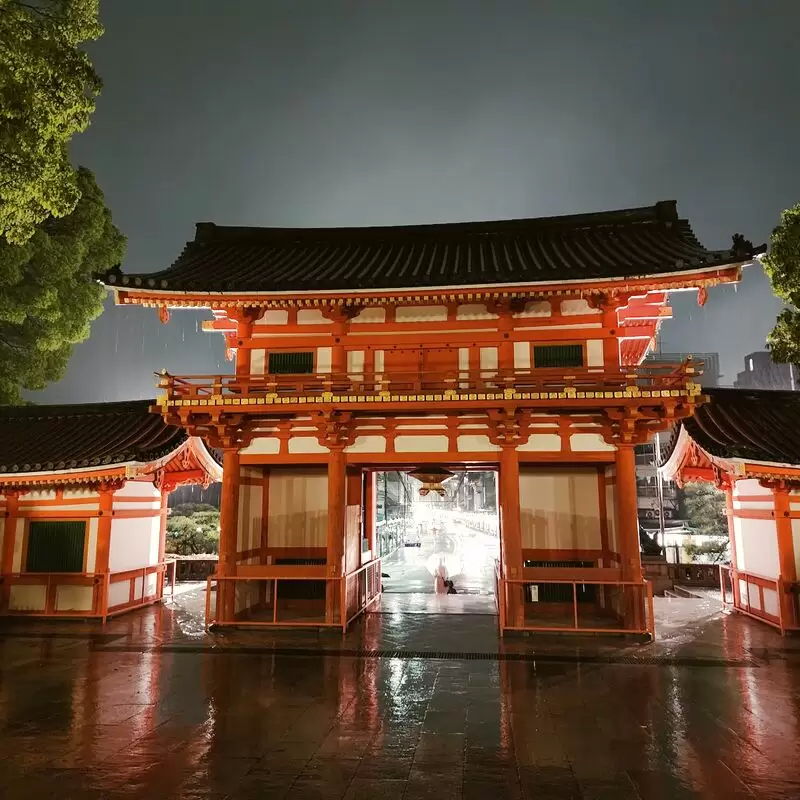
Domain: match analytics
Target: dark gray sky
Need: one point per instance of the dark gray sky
(325, 112)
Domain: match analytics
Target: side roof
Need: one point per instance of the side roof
(637, 242)
(745, 424)
(68, 437)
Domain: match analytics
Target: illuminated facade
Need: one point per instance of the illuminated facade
(515, 346)
(83, 495)
(746, 442)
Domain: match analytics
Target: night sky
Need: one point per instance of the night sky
(327, 113)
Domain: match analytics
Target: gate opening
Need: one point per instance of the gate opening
(428, 542)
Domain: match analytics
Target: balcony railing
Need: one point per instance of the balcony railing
(470, 385)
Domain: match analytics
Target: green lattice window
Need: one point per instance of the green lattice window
(55, 547)
(290, 363)
(558, 355)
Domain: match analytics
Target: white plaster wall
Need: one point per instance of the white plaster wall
(611, 512)
(262, 446)
(536, 308)
(91, 545)
(579, 306)
(771, 602)
(796, 543)
(312, 316)
(274, 316)
(379, 361)
(589, 442)
(133, 542)
(368, 444)
(19, 530)
(475, 443)
(324, 359)
(542, 442)
(28, 598)
(488, 358)
(75, 494)
(421, 444)
(258, 362)
(375, 314)
(522, 355)
(560, 510)
(757, 544)
(421, 314)
(298, 507)
(306, 444)
(136, 489)
(474, 311)
(250, 515)
(74, 598)
(355, 362)
(750, 487)
(119, 593)
(594, 353)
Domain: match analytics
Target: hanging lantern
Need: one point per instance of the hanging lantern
(432, 479)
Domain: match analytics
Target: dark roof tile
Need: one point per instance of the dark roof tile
(610, 244)
(754, 425)
(54, 438)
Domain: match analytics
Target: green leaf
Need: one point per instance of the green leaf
(48, 294)
(47, 94)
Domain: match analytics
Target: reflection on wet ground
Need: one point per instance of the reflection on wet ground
(404, 706)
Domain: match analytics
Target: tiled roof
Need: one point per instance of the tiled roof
(747, 424)
(612, 244)
(55, 438)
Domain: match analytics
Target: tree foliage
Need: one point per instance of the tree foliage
(705, 509)
(47, 94)
(782, 265)
(192, 529)
(48, 295)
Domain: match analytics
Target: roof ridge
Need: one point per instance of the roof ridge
(664, 210)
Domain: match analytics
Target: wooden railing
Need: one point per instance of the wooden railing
(618, 607)
(769, 600)
(262, 605)
(100, 584)
(354, 386)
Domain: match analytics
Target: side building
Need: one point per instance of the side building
(514, 346)
(746, 442)
(669, 496)
(83, 495)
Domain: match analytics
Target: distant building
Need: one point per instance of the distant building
(707, 362)
(646, 472)
(761, 372)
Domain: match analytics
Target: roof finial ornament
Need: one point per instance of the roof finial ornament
(741, 246)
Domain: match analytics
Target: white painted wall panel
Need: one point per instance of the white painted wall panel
(421, 314)
(74, 598)
(298, 507)
(759, 544)
(262, 446)
(132, 543)
(324, 359)
(560, 510)
(28, 598)
(421, 444)
(594, 353)
(542, 442)
(589, 442)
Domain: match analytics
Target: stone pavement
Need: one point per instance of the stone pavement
(405, 706)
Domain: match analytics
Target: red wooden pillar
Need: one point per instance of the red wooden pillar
(787, 566)
(162, 544)
(9, 537)
(228, 533)
(335, 541)
(103, 551)
(732, 538)
(511, 539)
(628, 521)
(370, 512)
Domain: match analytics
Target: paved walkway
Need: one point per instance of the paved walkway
(405, 706)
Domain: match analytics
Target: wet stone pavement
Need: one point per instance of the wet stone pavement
(405, 706)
